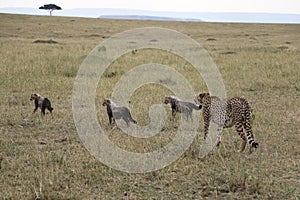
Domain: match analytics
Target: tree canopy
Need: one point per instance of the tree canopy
(50, 7)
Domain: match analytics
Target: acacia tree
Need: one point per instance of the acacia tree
(50, 7)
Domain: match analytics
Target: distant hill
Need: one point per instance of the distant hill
(161, 15)
(145, 17)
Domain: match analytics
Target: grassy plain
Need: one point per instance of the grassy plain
(45, 158)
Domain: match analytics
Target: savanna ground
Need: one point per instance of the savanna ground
(44, 158)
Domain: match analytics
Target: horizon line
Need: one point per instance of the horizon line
(135, 9)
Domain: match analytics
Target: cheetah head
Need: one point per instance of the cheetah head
(106, 102)
(35, 96)
(167, 99)
(202, 98)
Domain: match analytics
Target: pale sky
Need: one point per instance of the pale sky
(266, 6)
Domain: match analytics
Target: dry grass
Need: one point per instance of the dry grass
(45, 158)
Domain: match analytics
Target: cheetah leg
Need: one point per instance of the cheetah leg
(187, 116)
(219, 136)
(112, 122)
(206, 126)
(127, 121)
(173, 114)
(219, 141)
(250, 150)
(244, 143)
(239, 130)
(191, 116)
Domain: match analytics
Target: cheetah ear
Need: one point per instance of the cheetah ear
(208, 94)
(201, 95)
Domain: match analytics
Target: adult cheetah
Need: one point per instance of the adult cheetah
(238, 113)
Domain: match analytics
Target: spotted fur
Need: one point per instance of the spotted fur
(237, 113)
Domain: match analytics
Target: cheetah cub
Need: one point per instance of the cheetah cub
(117, 112)
(179, 106)
(42, 103)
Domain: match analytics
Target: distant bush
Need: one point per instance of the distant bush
(45, 41)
